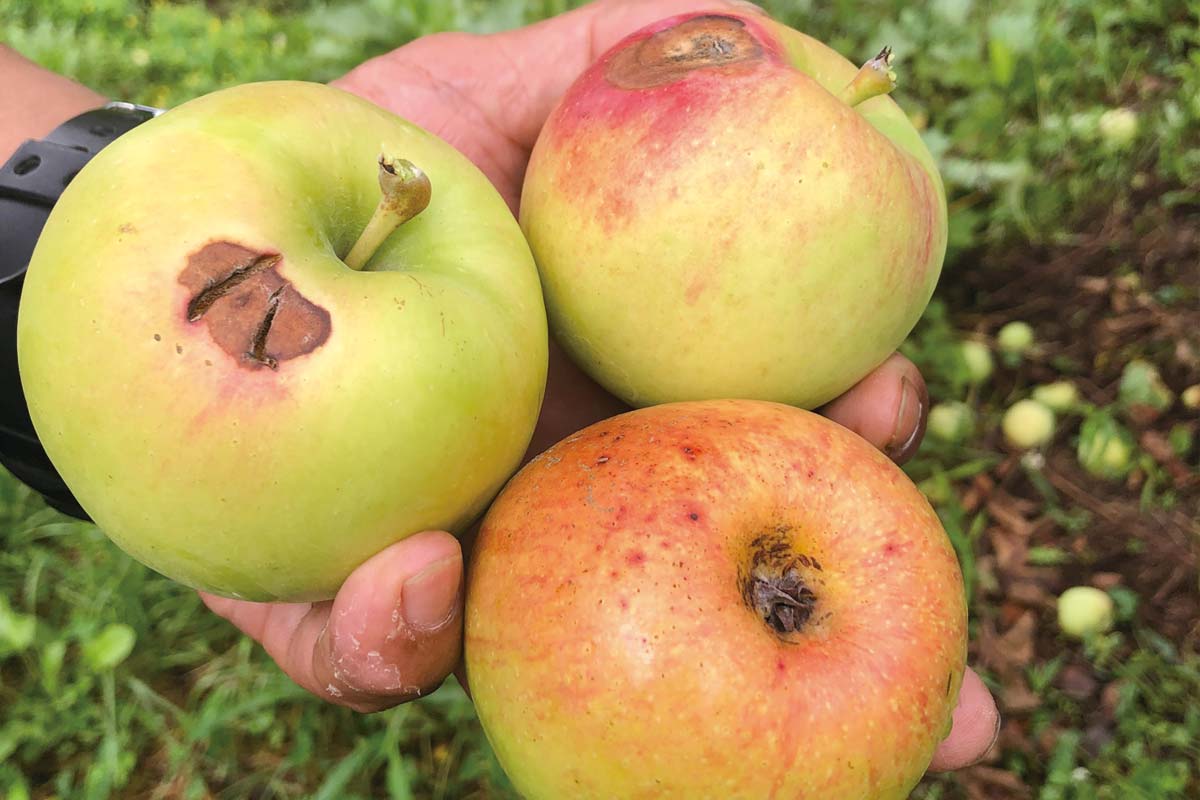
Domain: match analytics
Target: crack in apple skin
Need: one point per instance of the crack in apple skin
(258, 349)
(711, 41)
(243, 271)
(252, 313)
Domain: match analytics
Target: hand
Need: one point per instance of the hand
(394, 630)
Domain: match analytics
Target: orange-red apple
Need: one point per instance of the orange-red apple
(720, 599)
(719, 207)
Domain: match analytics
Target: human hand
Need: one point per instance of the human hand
(394, 630)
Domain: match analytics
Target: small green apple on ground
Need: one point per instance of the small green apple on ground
(1105, 447)
(232, 402)
(952, 421)
(1015, 338)
(722, 206)
(1084, 611)
(977, 361)
(1060, 396)
(1027, 424)
(729, 598)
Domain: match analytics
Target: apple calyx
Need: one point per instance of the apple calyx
(775, 583)
(874, 78)
(406, 193)
(783, 602)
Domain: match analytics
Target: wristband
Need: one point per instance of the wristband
(30, 184)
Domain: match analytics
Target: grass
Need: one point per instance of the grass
(117, 683)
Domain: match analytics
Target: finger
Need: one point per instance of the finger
(393, 633)
(888, 408)
(976, 727)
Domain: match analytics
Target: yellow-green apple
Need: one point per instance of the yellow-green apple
(237, 393)
(724, 598)
(722, 207)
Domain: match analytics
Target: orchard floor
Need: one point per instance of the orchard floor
(1052, 525)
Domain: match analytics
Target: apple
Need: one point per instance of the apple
(720, 207)
(725, 598)
(1084, 611)
(1015, 338)
(1027, 424)
(1119, 127)
(1106, 447)
(1060, 396)
(952, 421)
(1143, 392)
(228, 398)
(1191, 397)
(977, 361)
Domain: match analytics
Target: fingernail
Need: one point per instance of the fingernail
(910, 421)
(430, 598)
(995, 738)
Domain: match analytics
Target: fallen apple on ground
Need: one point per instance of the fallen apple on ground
(732, 599)
(722, 206)
(240, 395)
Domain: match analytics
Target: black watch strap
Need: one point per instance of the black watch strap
(30, 184)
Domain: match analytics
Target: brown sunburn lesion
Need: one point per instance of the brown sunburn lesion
(711, 41)
(251, 312)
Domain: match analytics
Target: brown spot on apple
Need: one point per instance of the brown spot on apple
(712, 41)
(250, 310)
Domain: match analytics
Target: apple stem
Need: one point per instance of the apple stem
(874, 78)
(406, 192)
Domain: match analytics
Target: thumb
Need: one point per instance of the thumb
(395, 628)
(393, 633)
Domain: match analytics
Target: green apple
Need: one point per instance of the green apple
(1143, 392)
(951, 421)
(234, 404)
(722, 206)
(1119, 127)
(1105, 447)
(719, 599)
(1060, 396)
(1015, 338)
(1191, 397)
(977, 361)
(1084, 611)
(1027, 424)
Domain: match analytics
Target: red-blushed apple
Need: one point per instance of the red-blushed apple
(251, 370)
(725, 599)
(722, 206)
